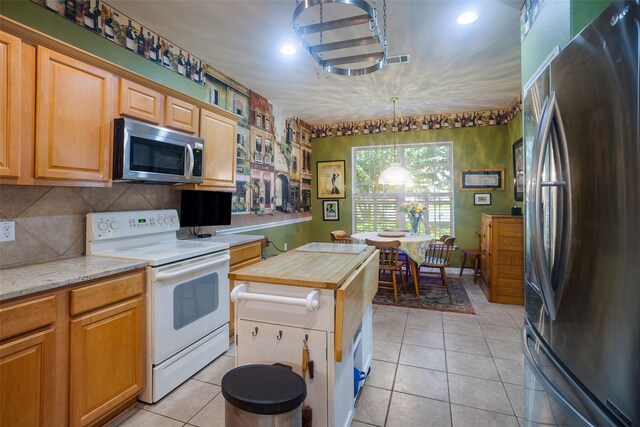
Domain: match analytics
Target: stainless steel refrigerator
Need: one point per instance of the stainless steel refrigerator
(581, 336)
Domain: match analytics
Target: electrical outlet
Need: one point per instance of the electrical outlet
(285, 246)
(7, 231)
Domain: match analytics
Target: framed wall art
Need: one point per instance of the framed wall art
(330, 210)
(482, 179)
(330, 179)
(518, 170)
(482, 199)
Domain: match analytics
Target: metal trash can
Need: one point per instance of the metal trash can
(263, 396)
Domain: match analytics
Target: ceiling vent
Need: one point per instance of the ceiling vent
(399, 59)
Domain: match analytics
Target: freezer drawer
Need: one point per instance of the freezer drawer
(552, 394)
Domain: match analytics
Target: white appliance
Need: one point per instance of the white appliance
(187, 292)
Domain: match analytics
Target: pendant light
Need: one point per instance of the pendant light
(395, 174)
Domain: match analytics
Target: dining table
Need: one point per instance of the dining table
(414, 245)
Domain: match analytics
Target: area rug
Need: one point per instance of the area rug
(433, 295)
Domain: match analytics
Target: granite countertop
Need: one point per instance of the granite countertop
(20, 281)
(232, 239)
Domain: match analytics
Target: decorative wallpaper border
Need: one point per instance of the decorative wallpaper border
(528, 14)
(425, 122)
(109, 23)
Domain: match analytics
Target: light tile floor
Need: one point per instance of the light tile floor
(430, 368)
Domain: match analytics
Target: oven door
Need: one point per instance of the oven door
(190, 300)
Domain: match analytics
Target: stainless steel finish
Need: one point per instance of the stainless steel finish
(352, 59)
(550, 147)
(368, 34)
(577, 414)
(333, 25)
(589, 237)
(344, 44)
(235, 417)
(134, 128)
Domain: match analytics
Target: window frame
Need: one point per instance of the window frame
(429, 197)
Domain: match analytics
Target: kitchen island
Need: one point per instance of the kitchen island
(310, 309)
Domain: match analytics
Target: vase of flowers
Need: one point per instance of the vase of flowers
(415, 212)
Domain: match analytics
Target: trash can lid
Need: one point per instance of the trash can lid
(264, 389)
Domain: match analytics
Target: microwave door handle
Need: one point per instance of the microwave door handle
(191, 163)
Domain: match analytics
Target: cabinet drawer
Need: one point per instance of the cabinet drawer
(106, 292)
(510, 229)
(511, 258)
(27, 316)
(245, 252)
(510, 243)
(140, 102)
(181, 115)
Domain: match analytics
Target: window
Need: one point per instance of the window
(376, 206)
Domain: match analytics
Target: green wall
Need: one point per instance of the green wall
(293, 235)
(473, 148)
(558, 22)
(583, 12)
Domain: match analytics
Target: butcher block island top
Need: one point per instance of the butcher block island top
(314, 265)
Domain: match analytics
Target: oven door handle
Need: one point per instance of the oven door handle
(173, 274)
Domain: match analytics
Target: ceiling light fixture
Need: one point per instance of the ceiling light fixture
(288, 49)
(395, 174)
(467, 18)
(356, 57)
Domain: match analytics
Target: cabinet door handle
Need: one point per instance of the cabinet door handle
(279, 336)
(255, 331)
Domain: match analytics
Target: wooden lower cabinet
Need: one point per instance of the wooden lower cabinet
(106, 360)
(27, 376)
(502, 258)
(242, 256)
(59, 368)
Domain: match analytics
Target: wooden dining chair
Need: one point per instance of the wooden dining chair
(389, 262)
(472, 253)
(340, 236)
(438, 257)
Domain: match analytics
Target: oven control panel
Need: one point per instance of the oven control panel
(111, 225)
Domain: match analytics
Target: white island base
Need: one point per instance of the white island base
(276, 321)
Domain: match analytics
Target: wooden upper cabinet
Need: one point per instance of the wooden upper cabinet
(10, 102)
(75, 108)
(181, 115)
(219, 134)
(140, 102)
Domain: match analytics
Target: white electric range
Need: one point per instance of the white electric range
(187, 291)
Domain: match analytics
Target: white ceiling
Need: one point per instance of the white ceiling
(453, 68)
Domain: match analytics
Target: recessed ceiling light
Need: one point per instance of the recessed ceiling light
(288, 49)
(467, 18)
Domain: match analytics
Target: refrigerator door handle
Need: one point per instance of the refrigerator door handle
(551, 129)
(533, 208)
(551, 389)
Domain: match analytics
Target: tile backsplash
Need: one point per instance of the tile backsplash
(50, 221)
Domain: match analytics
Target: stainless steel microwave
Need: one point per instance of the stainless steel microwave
(148, 153)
